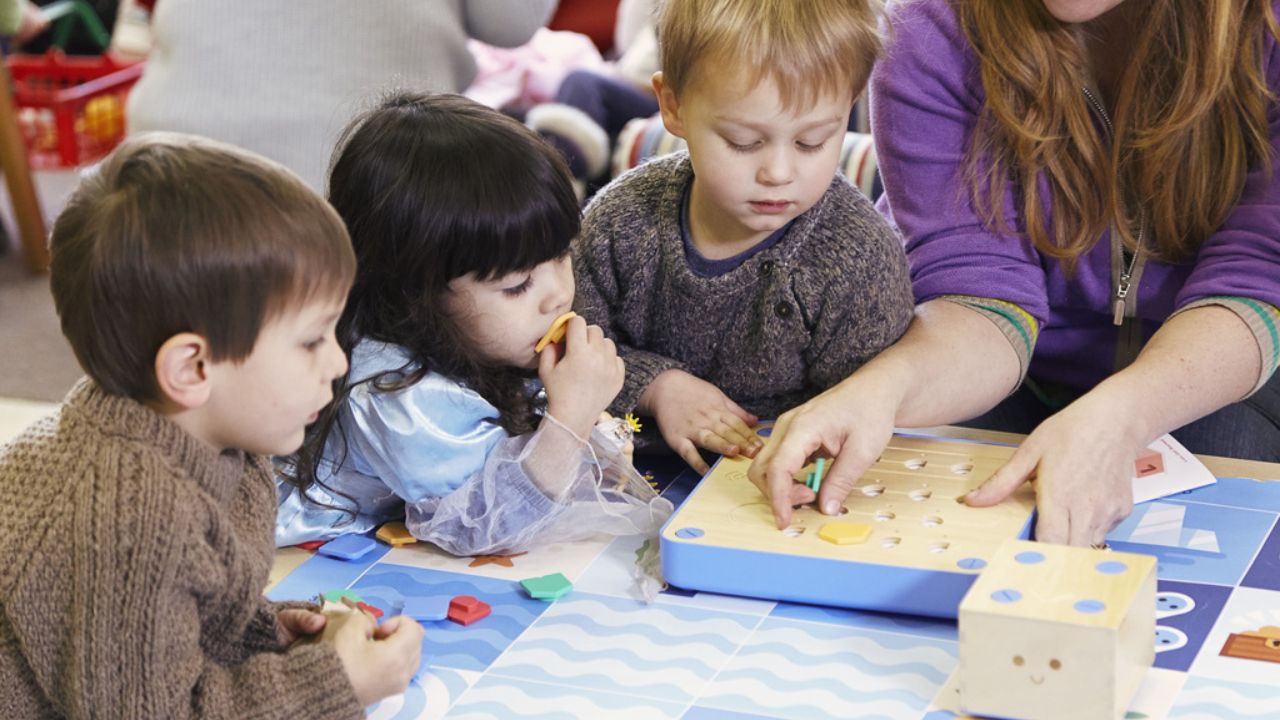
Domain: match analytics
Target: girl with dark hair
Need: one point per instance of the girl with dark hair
(461, 220)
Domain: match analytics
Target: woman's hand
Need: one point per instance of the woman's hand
(845, 423)
(1081, 460)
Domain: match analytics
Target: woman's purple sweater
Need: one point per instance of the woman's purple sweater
(925, 100)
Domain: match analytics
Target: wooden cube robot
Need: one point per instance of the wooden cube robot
(1050, 631)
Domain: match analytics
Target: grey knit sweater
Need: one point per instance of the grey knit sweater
(131, 587)
(788, 323)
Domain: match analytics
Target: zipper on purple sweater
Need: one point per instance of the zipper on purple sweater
(1125, 281)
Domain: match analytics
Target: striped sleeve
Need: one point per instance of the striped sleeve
(1016, 324)
(1262, 318)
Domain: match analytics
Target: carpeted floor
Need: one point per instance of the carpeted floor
(35, 361)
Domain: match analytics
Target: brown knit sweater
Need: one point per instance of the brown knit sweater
(790, 322)
(134, 559)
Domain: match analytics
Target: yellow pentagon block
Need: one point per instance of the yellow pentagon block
(845, 533)
(396, 534)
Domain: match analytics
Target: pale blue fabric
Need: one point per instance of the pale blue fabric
(418, 443)
(430, 453)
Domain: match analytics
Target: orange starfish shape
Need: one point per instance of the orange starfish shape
(503, 560)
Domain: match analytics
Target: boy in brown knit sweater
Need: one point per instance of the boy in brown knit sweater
(199, 286)
(743, 277)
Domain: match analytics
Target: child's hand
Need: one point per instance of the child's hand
(293, 624)
(379, 660)
(692, 413)
(582, 377)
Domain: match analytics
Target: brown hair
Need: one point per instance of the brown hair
(1190, 121)
(808, 47)
(171, 234)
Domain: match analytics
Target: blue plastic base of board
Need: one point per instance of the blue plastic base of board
(773, 576)
(694, 564)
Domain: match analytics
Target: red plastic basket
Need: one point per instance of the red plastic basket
(70, 108)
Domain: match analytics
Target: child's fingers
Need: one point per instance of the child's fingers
(352, 623)
(547, 360)
(390, 626)
(747, 418)
(689, 453)
(710, 439)
(300, 622)
(741, 434)
(595, 334)
(575, 333)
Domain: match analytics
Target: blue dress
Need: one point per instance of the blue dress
(430, 453)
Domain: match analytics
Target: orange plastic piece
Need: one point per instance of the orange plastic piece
(396, 534)
(556, 332)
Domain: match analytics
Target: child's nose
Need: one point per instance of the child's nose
(778, 168)
(339, 362)
(560, 295)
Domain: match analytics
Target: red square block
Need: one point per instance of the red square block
(465, 609)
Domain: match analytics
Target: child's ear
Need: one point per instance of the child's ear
(669, 105)
(181, 370)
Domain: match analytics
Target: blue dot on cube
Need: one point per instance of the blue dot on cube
(971, 563)
(1090, 607)
(689, 533)
(1007, 595)
(1111, 567)
(1030, 557)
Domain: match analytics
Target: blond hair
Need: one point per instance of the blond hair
(1190, 122)
(809, 48)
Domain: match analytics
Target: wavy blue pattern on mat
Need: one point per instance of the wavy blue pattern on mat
(514, 699)
(663, 652)
(802, 670)
(1208, 698)
(448, 644)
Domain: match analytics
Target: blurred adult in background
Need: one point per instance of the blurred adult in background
(282, 78)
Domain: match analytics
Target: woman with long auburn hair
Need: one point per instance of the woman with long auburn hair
(1088, 195)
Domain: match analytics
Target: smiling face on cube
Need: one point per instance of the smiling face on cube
(1037, 675)
(1033, 666)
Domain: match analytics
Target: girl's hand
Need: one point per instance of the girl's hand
(582, 377)
(692, 413)
(1082, 465)
(379, 660)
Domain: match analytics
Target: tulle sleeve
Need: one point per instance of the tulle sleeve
(542, 487)
(432, 452)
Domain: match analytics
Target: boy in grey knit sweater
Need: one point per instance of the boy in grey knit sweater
(744, 276)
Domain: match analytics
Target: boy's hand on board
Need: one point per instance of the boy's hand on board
(692, 413)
